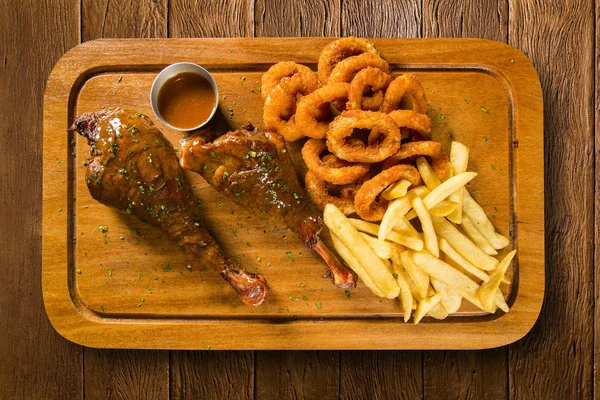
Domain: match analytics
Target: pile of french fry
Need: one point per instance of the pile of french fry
(432, 270)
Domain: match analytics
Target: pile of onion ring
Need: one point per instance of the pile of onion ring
(365, 126)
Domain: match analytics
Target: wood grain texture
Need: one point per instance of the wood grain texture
(560, 347)
(224, 374)
(297, 18)
(597, 213)
(478, 374)
(126, 374)
(482, 373)
(386, 19)
(206, 18)
(123, 19)
(212, 374)
(297, 375)
(381, 375)
(381, 19)
(482, 19)
(35, 361)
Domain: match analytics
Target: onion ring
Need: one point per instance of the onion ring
(380, 124)
(341, 174)
(319, 193)
(339, 50)
(412, 120)
(309, 114)
(346, 69)
(277, 72)
(368, 80)
(409, 151)
(282, 98)
(398, 88)
(366, 204)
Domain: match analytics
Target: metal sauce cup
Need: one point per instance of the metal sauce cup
(171, 71)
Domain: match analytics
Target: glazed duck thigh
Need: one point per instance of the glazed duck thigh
(253, 169)
(133, 167)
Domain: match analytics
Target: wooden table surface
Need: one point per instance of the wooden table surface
(556, 360)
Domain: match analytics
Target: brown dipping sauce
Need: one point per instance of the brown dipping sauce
(186, 100)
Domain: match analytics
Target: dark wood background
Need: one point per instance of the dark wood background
(555, 361)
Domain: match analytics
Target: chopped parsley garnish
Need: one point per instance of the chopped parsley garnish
(319, 305)
(290, 255)
(348, 295)
(103, 228)
(395, 275)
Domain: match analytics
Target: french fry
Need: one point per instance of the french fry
(441, 209)
(447, 188)
(500, 302)
(451, 300)
(459, 159)
(420, 278)
(396, 208)
(438, 311)
(379, 272)
(463, 245)
(354, 264)
(487, 291)
(396, 189)
(437, 269)
(420, 191)
(429, 177)
(476, 236)
(457, 258)
(425, 306)
(406, 297)
(404, 227)
(477, 215)
(381, 248)
(413, 289)
(429, 236)
(405, 240)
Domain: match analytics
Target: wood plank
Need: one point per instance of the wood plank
(481, 19)
(223, 374)
(297, 18)
(381, 375)
(123, 19)
(555, 359)
(124, 373)
(386, 19)
(205, 18)
(482, 373)
(597, 213)
(478, 374)
(212, 374)
(36, 362)
(297, 374)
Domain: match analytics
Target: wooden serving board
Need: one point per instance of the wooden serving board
(130, 288)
